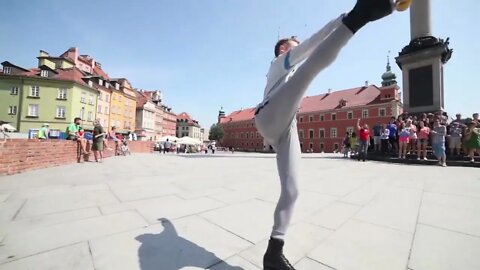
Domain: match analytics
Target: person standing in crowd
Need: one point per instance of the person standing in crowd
(392, 135)
(112, 136)
(364, 138)
(44, 132)
(472, 139)
(476, 120)
(403, 140)
(346, 144)
(413, 136)
(166, 146)
(353, 144)
(98, 136)
(377, 137)
(455, 138)
(385, 136)
(438, 141)
(422, 142)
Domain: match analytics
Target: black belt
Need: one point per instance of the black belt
(260, 107)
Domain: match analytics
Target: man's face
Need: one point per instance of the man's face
(287, 46)
(77, 122)
(475, 116)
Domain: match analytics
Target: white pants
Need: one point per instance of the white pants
(276, 121)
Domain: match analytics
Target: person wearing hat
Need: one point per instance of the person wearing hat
(472, 139)
(44, 131)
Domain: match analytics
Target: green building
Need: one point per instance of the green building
(55, 92)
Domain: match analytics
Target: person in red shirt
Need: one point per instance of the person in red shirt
(363, 140)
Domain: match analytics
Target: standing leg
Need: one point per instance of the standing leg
(288, 161)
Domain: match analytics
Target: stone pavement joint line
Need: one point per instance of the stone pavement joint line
(196, 211)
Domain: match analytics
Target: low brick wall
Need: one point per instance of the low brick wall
(20, 155)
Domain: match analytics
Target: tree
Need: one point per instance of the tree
(216, 133)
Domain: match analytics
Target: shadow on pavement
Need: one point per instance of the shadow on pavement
(169, 251)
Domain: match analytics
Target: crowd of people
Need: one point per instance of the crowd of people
(408, 136)
(98, 139)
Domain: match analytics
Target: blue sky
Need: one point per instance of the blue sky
(212, 53)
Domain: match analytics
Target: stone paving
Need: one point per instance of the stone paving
(169, 212)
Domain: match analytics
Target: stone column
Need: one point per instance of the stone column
(422, 63)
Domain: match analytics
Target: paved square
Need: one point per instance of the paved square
(169, 212)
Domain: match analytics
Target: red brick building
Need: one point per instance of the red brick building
(323, 119)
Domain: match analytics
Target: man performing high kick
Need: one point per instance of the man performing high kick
(275, 116)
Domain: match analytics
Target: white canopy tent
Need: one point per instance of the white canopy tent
(188, 141)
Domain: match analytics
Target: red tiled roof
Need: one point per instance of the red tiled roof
(240, 115)
(99, 72)
(186, 116)
(353, 97)
(141, 99)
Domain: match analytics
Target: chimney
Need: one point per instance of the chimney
(329, 90)
(44, 53)
(366, 83)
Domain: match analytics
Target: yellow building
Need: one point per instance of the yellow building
(122, 105)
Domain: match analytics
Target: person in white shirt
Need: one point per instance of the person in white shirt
(295, 66)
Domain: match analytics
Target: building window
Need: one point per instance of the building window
(301, 119)
(333, 133)
(310, 133)
(322, 117)
(364, 113)
(35, 92)
(90, 83)
(44, 73)
(335, 147)
(100, 96)
(334, 116)
(258, 135)
(60, 112)
(241, 135)
(33, 110)
(7, 70)
(83, 98)
(82, 111)
(62, 93)
(300, 133)
(322, 147)
(322, 133)
(90, 100)
(310, 118)
(99, 109)
(310, 146)
(350, 130)
(246, 135)
(14, 90)
(12, 110)
(382, 112)
(349, 115)
(100, 81)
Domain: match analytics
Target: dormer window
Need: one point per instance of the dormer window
(90, 83)
(100, 81)
(107, 84)
(44, 73)
(7, 70)
(342, 103)
(117, 86)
